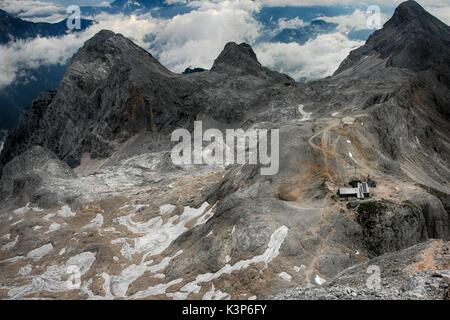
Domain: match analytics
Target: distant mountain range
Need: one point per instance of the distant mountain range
(13, 28)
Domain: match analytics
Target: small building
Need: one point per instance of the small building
(360, 192)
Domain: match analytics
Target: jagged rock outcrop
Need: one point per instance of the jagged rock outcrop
(18, 140)
(29, 177)
(388, 227)
(437, 219)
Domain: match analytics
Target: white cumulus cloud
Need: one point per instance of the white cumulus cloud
(315, 59)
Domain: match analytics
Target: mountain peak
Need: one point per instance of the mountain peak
(410, 13)
(235, 57)
(412, 39)
(409, 7)
(109, 53)
(107, 42)
(101, 36)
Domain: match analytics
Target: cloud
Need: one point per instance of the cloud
(315, 59)
(358, 20)
(32, 54)
(31, 8)
(284, 23)
(196, 38)
(441, 13)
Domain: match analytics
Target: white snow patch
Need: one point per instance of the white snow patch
(159, 235)
(6, 236)
(319, 280)
(26, 209)
(272, 251)
(37, 227)
(117, 285)
(66, 212)
(25, 270)
(155, 290)
(11, 244)
(166, 209)
(252, 298)
(349, 142)
(95, 223)
(298, 269)
(350, 155)
(39, 253)
(13, 259)
(53, 227)
(17, 222)
(227, 258)
(334, 114)
(285, 276)
(49, 216)
(52, 279)
(214, 294)
(305, 115)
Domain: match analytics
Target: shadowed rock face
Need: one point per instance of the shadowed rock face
(388, 227)
(158, 230)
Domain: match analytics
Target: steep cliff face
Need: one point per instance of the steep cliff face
(19, 139)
